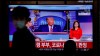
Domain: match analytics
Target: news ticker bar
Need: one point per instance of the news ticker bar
(55, 7)
(58, 44)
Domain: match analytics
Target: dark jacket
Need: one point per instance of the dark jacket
(23, 42)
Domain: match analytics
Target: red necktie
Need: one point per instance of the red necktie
(51, 30)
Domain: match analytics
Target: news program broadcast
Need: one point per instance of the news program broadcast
(53, 25)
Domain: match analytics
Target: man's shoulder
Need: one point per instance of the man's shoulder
(44, 25)
(57, 25)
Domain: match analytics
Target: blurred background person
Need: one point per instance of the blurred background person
(29, 25)
(76, 31)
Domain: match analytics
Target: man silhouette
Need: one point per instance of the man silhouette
(69, 48)
(23, 41)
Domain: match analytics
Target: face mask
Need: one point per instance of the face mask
(20, 24)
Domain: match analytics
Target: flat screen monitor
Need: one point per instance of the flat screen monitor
(62, 18)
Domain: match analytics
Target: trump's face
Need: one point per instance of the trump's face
(50, 21)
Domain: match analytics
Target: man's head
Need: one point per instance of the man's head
(50, 21)
(20, 16)
(70, 48)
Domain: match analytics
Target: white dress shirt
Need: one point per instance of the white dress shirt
(50, 27)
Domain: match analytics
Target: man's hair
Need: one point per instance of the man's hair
(48, 17)
(20, 12)
(70, 48)
(28, 20)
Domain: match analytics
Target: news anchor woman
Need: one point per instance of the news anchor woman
(76, 31)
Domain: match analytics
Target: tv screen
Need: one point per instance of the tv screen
(54, 25)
